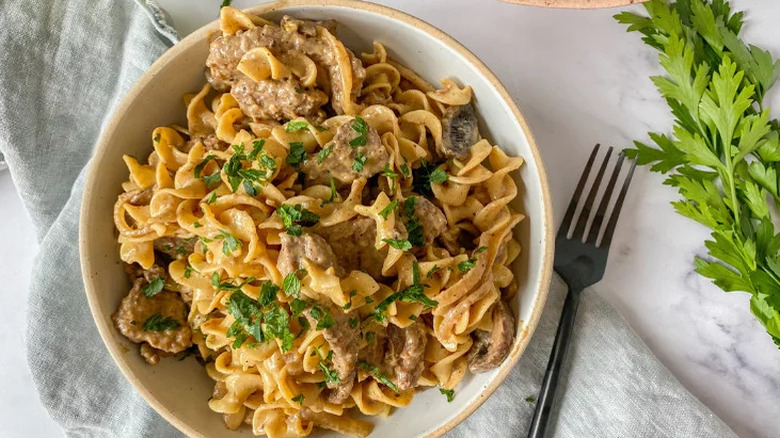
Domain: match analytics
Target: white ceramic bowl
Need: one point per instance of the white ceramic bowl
(179, 390)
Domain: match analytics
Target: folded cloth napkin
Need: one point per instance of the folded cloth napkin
(69, 65)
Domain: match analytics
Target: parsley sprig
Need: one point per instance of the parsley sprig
(723, 155)
(294, 217)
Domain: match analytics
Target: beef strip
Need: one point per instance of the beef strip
(306, 27)
(210, 142)
(344, 341)
(491, 348)
(136, 308)
(459, 130)
(353, 244)
(306, 246)
(272, 99)
(175, 247)
(404, 357)
(339, 163)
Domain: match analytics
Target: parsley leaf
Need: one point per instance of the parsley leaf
(381, 378)
(153, 288)
(421, 182)
(158, 323)
(399, 244)
(297, 154)
(298, 399)
(385, 212)
(229, 244)
(438, 176)
(202, 164)
(292, 284)
(467, 265)
(295, 216)
(360, 161)
(449, 393)
(323, 153)
(296, 126)
(723, 153)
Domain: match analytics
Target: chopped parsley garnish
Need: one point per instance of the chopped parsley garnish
(267, 293)
(438, 176)
(234, 167)
(399, 244)
(196, 224)
(188, 271)
(333, 193)
(381, 378)
(422, 178)
(292, 284)
(412, 294)
(368, 300)
(212, 198)
(277, 325)
(296, 126)
(297, 154)
(158, 323)
(230, 243)
(157, 137)
(330, 375)
(530, 399)
(349, 303)
(353, 322)
(202, 164)
(432, 271)
(298, 399)
(323, 154)
(480, 249)
(412, 317)
(257, 147)
(294, 217)
(226, 3)
(450, 393)
(360, 161)
(405, 170)
(359, 126)
(320, 128)
(153, 288)
(370, 337)
(385, 212)
(323, 317)
(388, 172)
(212, 179)
(467, 265)
(297, 306)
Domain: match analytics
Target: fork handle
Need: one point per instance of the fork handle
(546, 398)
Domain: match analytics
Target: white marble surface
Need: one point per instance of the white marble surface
(579, 80)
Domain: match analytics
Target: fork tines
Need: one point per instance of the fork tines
(595, 229)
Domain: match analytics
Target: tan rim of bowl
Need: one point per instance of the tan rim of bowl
(576, 4)
(93, 176)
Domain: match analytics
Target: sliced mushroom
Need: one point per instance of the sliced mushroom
(404, 357)
(459, 130)
(491, 348)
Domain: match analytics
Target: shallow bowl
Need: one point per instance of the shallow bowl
(178, 390)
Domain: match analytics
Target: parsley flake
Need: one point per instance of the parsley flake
(153, 288)
(158, 323)
(449, 393)
(296, 126)
(297, 154)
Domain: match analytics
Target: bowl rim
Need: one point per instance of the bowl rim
(105, 329)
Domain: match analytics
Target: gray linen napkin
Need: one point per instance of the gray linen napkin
(65, 67)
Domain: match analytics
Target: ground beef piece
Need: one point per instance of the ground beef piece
(340, 163)
(404, 357)
(135, 309)
(306, 246)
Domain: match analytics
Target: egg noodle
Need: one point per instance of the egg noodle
(327, 253)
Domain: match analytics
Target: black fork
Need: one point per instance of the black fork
(580, 261)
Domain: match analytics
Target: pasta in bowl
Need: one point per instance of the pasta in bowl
(327, 233)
